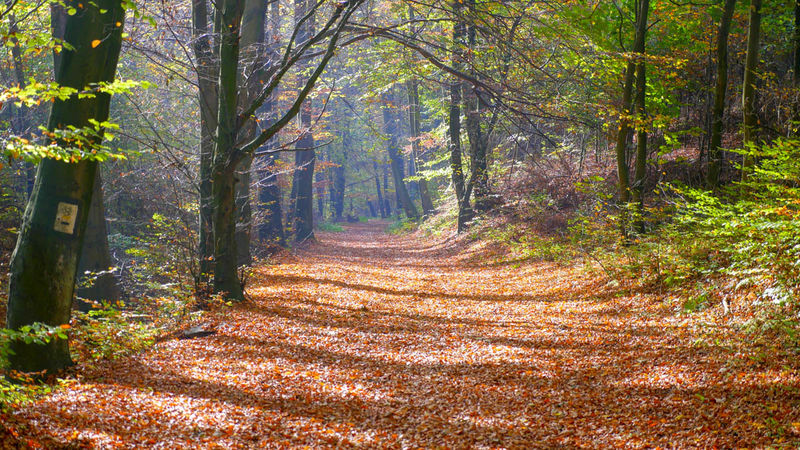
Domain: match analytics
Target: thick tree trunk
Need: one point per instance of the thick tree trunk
(207, 72)
(749, 88)
(714, 149)
(226, 155)
(414, 118)
(95, 256)
(44, 264)
(390, 122)
(253, 58)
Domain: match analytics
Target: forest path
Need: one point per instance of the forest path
(368, 339)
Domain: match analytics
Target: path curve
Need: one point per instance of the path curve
(368, 339)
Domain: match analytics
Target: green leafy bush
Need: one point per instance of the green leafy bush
(14, 393)
(402, 226)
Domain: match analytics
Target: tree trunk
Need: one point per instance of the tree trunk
(414, 118)
(390, 123)
(95, 256)
(749, 88)
(796, 62)
(226, 156)
(640, 169)
(269, 198)
(338, 192)
(478, 180)
(305, 156)
(714, 149)
(45, 260)
(207, 71)
(381, 206)
(625, 122)
(305, 159)
(456, 164)
(271, 229)
(319, 181)
(253, 57)
(386, 202)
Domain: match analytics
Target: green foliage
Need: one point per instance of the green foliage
(14, 393)
(749, 232)
(329, 226)
(525, 244)
(402, 226)
(107, 333)
(163, 258)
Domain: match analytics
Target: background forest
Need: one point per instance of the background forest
(654, 142)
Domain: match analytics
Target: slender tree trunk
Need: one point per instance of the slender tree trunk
(640, 169)
(305, 157)
(390, 122)
(478, 180)
(796, 62)
(207, 71)
(718, 111)
(414, 118)
(271, 229)
(269, 197)
(625, 121)
(44, 264)
(387, 203)
(749, 88)
(319, 181)
(381, 206)
(226, 155)
(454, 129)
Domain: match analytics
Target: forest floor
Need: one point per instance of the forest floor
(369, 339)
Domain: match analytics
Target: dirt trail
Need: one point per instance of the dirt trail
(367, 339)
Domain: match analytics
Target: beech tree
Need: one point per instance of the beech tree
(44, 264)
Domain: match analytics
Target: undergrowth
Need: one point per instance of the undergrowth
(330, 227)
(736, 247)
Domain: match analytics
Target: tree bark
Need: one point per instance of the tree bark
(207, 71)
(749, 88)
(454, 128)
(305, 156)
(720, 90)
(390, 122)
(625, 121)
(414, 118)
(95, 255)
(640, 169)
(226, 155)
(45, 260)
(253, 57)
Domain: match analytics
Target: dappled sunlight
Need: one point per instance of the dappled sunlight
(378, 353)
